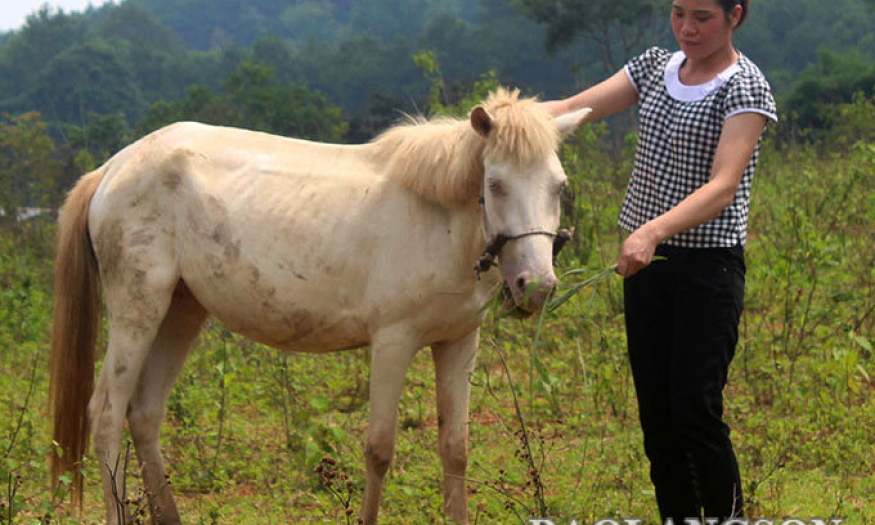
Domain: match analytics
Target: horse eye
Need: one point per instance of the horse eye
(496, 187)
(562, 189)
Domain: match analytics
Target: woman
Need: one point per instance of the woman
(701, 116)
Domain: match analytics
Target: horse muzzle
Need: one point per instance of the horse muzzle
(525, 291)
(529, 292)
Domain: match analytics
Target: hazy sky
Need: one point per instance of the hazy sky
(14, 12)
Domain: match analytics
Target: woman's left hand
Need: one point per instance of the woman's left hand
(637, 252)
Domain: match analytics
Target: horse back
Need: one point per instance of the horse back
(299, 245)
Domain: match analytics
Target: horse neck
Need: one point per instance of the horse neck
(440, 161)
(468, 233)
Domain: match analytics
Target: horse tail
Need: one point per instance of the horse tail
(74, 335)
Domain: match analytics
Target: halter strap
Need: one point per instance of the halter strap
(497, 243)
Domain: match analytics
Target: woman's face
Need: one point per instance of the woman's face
(701, 28)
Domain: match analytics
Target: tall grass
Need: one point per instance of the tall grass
(246, 425)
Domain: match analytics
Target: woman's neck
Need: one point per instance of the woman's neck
(705, 68)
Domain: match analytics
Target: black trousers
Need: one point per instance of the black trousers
(682, 319)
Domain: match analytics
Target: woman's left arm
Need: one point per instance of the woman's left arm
(738, 140)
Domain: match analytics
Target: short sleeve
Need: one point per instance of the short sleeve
(750, 93)
(644, 69)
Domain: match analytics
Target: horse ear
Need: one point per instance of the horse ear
(481, 121)
(569, 122)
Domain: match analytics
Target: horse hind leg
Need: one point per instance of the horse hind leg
(137, 302)
(177, 334)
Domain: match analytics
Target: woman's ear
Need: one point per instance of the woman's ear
(735, 16)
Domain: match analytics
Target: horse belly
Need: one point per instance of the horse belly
(279, 298)
(310, 331)
(282, 317)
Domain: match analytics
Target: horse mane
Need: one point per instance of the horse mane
(441, 159)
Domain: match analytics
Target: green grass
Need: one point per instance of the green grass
(800, 401)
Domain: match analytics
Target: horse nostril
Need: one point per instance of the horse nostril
(522, 283)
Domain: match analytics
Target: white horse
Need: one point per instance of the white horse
(305, 247)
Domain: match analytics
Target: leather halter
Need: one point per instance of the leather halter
(497, 243)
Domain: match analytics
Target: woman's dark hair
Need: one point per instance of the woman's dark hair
(729, 5)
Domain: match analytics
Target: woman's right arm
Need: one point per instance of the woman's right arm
(606, 98)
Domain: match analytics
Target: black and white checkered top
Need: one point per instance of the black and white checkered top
(679, 127)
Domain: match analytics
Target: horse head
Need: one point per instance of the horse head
(523, 180)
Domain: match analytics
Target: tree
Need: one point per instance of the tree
(358, 66)
(25, 52)
(285, 109)
(379, 112)
(455, 43)
(205, 24)
(276, 54)
(28, 173)
(101, 136)
(618, 27)
(200, 105)
(311, 19)
(832, 80)
(388, 19)
(86, 78)
(787, 34)
(254, 99)
(132, 23)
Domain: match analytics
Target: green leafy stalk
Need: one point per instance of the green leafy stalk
(574, 288)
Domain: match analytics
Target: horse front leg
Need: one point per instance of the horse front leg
(391, 353)
(453, 365)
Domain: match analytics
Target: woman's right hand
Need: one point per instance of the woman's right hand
(637, 252)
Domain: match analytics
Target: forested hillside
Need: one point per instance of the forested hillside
(338, 70)
(122, 59)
